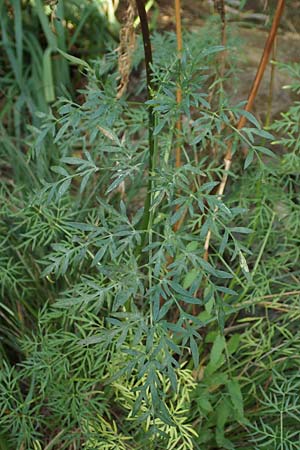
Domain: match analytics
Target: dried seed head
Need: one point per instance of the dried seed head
(126, 48)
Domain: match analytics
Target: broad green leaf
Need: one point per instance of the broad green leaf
(186, 296)
(83, 226)
(233, 343)
(84, 182)
(61, 132)
(195, 351)
(204, 403)
(164, 309)
(242, 230)
(159, 126)
(236, 398)
(265, 151)
(73, 161)
(116, 182)
(216, 352)
(249, 116)
(249, 158)
(210, 305)
(223, 413)
(215, 380)
(223, 242)
(60, 170)
(262, 133)
(99, 255)
(63, 187)
(223, 274)
(190, 278)
(192, 246)
(225, 290)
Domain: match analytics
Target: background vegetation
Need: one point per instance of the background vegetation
(142, 305)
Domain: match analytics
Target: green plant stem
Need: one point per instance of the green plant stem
(144, 225)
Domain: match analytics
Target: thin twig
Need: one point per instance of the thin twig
(253, 92)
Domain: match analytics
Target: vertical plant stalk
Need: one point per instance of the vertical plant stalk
(253, 92)
(148, 63)
(178, 93)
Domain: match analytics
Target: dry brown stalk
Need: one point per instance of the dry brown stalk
(253, 92)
